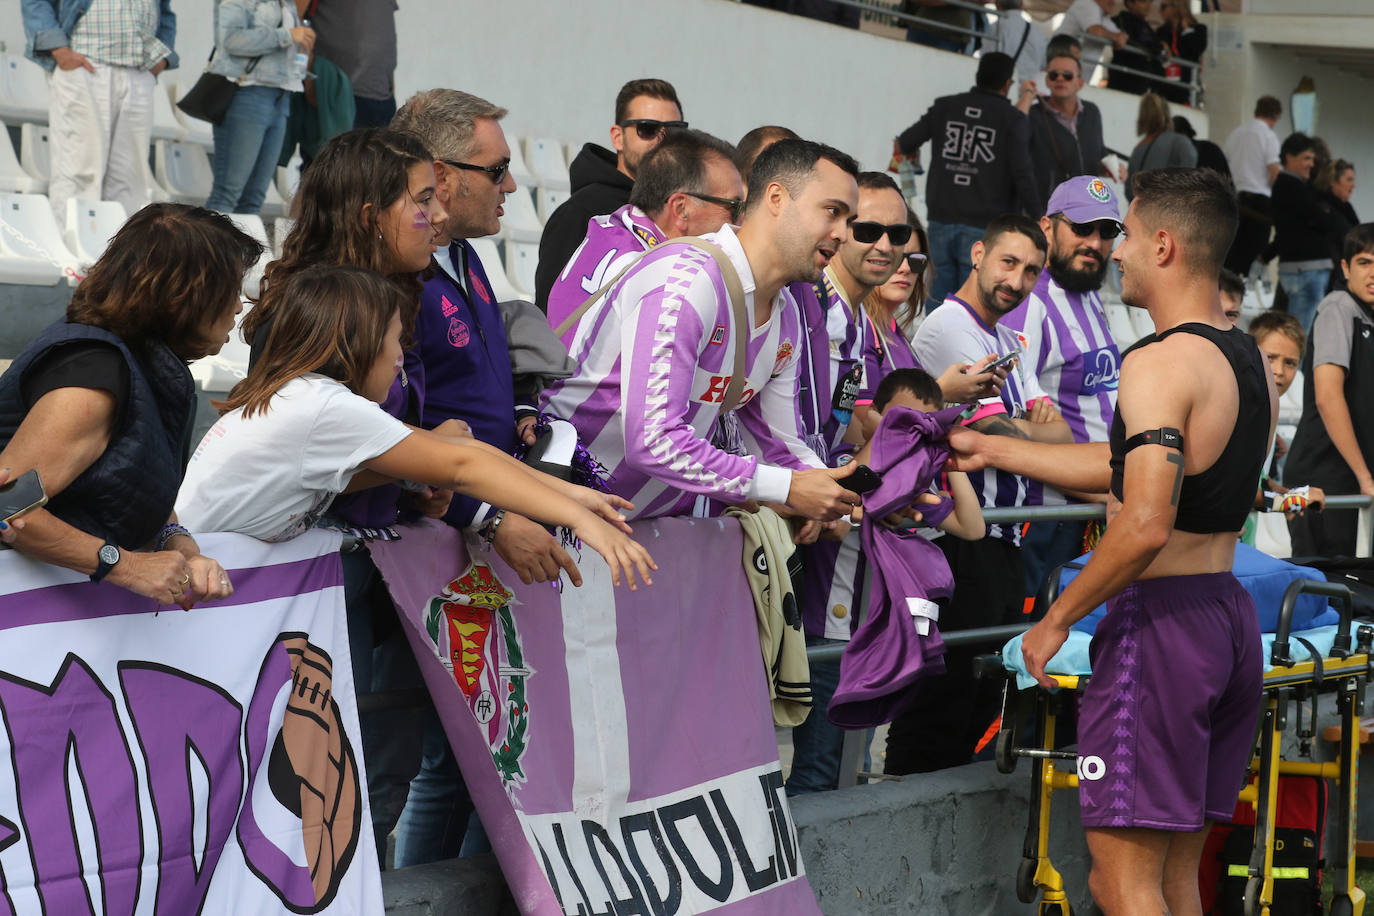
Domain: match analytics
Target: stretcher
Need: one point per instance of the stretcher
(1300, 666)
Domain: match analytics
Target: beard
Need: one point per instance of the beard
(995, 305)
(1077, 280)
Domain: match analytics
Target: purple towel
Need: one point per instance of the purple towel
(911, 577)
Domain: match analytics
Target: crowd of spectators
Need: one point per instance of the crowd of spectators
(716, 322)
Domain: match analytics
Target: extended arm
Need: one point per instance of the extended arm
(966, 521)
(1082, 466)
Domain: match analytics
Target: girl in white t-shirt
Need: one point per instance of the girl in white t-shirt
(305, 425)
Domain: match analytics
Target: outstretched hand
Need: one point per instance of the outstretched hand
(604, 505)
(622, 553)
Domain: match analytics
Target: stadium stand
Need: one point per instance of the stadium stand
(23, 90)
(495, 267)
(252, 224)
(545, 157)
(90, 225)
(13, 176)
(35, 151)
(184, 170)
(32, 252)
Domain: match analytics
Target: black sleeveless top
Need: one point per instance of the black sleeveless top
(1219, 498)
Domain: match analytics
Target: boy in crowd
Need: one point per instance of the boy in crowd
(1282, 340)
(1232, 295)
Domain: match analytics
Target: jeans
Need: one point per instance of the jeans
(247, 148)
(439, 821)
(950, 260)
(816, 744)
(1305, 288)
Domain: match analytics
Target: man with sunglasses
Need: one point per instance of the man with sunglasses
(1069, 347)
(1065, 130)
(645, 109)
(978, 168)
(688, 185)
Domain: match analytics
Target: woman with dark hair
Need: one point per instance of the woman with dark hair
(102, 404)
(1335, 185)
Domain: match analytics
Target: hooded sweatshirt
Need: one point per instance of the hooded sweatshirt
(598, 188)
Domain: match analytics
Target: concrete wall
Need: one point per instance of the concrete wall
(946, 843)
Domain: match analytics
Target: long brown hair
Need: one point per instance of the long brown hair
(915, 303)
(330, 319)
(369, 166)
(167, 271)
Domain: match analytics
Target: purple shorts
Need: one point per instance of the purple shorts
(1167, 722)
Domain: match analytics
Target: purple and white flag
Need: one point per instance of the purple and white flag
(157, 760)
(618, 745)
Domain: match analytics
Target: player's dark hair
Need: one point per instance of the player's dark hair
(1359, 240)
(1015, 222)
(918, 381)
(654, 89)
(676, 164)
(756, 141)
(1198, 206)
(792, 164)
(1268, 107)
(1232, 283)
(1295, 144)
(994, 71)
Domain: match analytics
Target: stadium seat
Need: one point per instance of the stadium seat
(253, 225)
(156, 192)
(1120, 324)
(90, 226)
(518, 168)
(13, 176)
(549, 196)
(184, 170)
(281, 228)
(545, 158)
(521, 220)
(32, 252)
(166, 125)
(1142, 322)
(223, 371)
(23, 90)
(490, 257)
(193, 130)
(272, 205)
(35, 151)
(521, 260)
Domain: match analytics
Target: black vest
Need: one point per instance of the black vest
(127, 495)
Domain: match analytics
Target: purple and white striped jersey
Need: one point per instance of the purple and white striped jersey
(612, 242)
(655, 357)
(831, 370)
(1071, 350)
(953, 333)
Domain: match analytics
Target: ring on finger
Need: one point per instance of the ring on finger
(224, 581)
(185, 579)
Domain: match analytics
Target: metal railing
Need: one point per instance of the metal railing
(910, 20)
(856, 741)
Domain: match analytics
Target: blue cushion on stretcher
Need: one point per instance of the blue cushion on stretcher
(1264, 577)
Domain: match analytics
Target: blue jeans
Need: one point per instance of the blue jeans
(247, 147)
(950, 260)
(1305, 288)
(439, 821)
(816, 744)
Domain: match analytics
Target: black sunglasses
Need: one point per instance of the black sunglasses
(867, 233)
(729, 203)
(497, 173)
(916, 261)
(1060, 75)
(649, 129)
(1105, 228)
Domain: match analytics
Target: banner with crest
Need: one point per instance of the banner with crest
(618, 745)
(157, 760)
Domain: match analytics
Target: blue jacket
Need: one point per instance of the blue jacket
(462, 364)
(48, 25)
(248, 29)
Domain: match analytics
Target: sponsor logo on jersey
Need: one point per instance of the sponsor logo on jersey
(458, 333)
(718, 335)
(447, 307)
(645, 236)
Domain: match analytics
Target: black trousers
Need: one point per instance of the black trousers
(951, 711)
(1256, 222)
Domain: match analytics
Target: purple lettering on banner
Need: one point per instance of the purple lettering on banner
(175, 715)
(74, 717)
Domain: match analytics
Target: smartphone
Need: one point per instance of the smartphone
(863, 480)
(21, 495)
(1003, 361)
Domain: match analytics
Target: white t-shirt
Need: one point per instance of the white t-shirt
(1081, 15)
(273, 475)
(1013, 29)
(1250, 150)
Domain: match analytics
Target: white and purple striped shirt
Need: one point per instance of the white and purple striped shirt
(612, 242)
(655, 356)
(953, 333)
(1071, 351)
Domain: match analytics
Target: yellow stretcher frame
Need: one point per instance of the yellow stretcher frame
(1345, 672)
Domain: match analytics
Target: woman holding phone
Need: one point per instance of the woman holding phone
(102, 404)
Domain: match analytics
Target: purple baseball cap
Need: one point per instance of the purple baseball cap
(1084, 199)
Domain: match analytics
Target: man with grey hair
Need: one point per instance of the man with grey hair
(687, 185)
(461, 358)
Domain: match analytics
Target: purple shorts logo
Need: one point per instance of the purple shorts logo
(458, 334)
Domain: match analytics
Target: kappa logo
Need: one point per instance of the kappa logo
(458, 333)
(645, 236)
(475, 636)
(718, 335)
(1099, 191)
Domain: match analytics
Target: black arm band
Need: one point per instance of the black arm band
(1166, 436)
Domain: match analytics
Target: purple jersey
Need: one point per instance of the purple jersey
(655, 357)
(882, 350)
(612, 242)
(831, 374)
(1071, 351)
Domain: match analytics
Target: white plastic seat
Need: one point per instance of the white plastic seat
(253, 225)
(272, 204)
(13, 176)
(521, 220)
(32, 252)
(184, 170)
(490, 257)
(35, 151)
(1119, 323)
(157, 194)
(545, 159)
(518, 167)
(521, 260)
(549, 196)
(226, 369)
(23, 90)
(193, 130)
(90, 226)
(281, 228)
(166, 125)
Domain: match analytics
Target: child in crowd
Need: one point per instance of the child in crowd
(1232, 295)
(1282, 340)
(305, 425)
